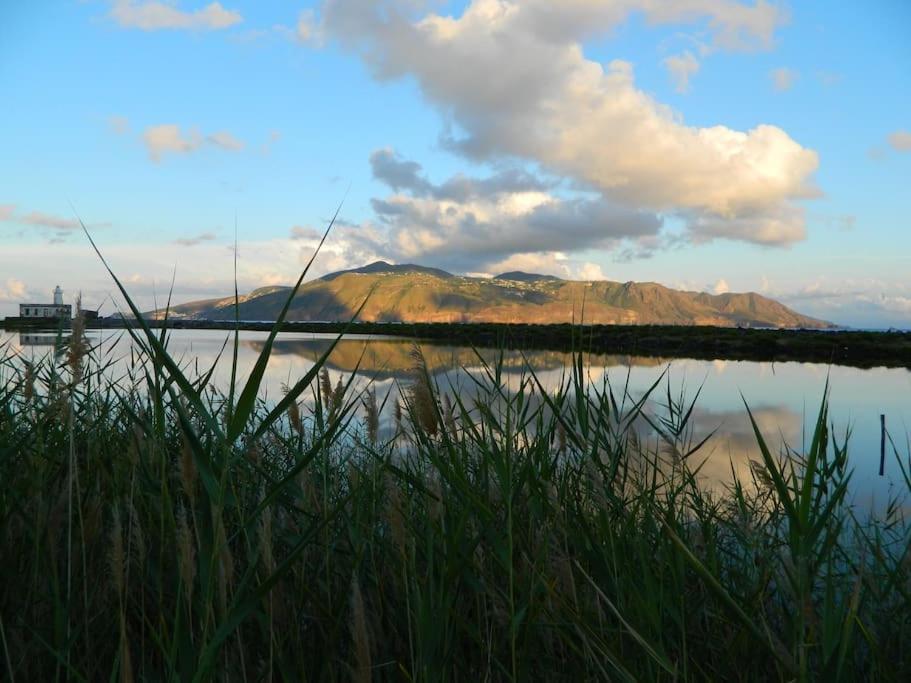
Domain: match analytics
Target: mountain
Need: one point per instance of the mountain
(383, 267)
(412, 293)
(519, 276)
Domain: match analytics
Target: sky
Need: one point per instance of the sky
(708, 145)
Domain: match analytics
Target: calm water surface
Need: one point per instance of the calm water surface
(784, 397)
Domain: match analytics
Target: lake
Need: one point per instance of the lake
(784, 397)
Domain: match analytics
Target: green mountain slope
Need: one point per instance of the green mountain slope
(411, 293)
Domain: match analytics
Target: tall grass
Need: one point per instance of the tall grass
(154, 528)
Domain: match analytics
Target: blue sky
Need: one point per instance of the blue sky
(704, 144)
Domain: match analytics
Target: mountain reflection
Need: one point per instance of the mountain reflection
(727, 453)
(394, 358)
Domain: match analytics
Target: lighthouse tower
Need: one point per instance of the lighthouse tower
(58, 296)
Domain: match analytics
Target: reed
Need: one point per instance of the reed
(518, 534)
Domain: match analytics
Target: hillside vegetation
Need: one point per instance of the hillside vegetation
(409, 293)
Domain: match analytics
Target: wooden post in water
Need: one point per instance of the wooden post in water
(882, 444)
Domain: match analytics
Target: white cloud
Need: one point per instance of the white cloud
(13, 291)
(468, 223)
(900, 141)
(721, 287)
(591, 271)
(168, 138)
(543, 101)
(783, 78)
(557, 263)
(681, 67)
(155, 16)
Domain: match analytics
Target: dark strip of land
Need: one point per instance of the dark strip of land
(862, 349)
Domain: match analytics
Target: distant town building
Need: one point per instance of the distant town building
(56, 310)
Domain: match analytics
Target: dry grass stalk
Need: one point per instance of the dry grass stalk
(371, 417)
(338, 394)
(561, 438)
(294, 413)
(325, 386)
(78, 346)
(424, 415)
(28, 383)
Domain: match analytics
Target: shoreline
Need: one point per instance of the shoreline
(862, 349)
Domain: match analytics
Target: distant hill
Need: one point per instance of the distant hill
(383, 267)
(412, 293)
(519, 276)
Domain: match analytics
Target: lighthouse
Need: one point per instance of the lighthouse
(56, 310)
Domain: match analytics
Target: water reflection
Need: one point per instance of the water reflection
(784, 397)
(393, 358)
(42, 339)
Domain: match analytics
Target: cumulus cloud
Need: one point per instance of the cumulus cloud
(773, 226)
(168, 138)
(783, 78)
(591, 271)
(721, 287)
(403, 174)
(156, 16)
(681, 67)
(465, 222)
(543, 101)
(900, 141)
(12, 290)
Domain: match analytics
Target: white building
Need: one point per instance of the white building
(58, 309)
